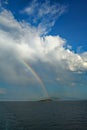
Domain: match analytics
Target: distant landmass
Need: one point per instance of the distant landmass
(49, 99)
(46, 100)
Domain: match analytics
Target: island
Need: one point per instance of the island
(46, 100)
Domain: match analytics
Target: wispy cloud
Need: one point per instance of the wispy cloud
(3, 2)
(44, 13)
(6, 2)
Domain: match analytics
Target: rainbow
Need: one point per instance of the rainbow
(30, 69)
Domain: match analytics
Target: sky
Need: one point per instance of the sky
(43, 50)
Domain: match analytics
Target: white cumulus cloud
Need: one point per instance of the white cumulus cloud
(21, 41)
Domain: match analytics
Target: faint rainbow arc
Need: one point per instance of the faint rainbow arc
(36, 76)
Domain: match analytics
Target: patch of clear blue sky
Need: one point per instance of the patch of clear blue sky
(73, 24)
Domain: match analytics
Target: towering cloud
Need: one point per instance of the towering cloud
(20, 41)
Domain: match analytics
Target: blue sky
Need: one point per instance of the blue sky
(43, 49)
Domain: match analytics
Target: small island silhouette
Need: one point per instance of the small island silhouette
(49, 99)
(46, 100)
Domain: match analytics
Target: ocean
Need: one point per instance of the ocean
(55, 115)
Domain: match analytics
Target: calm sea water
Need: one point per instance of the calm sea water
(61, 115)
